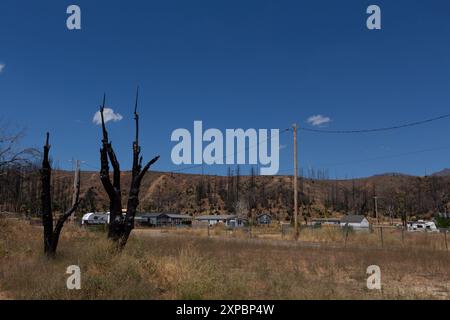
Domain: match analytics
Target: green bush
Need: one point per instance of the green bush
(442, 222)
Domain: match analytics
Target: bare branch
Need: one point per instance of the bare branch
(105, 133)
(11, 153)
(104, 174)
(63, 218)
(146, 168)
(116, 167)
(136, 117)
(106, 151)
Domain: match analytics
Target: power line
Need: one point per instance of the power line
(387, 157)
(90, 166)
(406, 125)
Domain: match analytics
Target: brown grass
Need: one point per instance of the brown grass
(157, 265)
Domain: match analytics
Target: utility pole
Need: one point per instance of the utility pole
(76, 181)
(295, 182)
(376, 209)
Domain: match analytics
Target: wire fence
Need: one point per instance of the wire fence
(382, 237)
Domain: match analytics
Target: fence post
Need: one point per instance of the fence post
(346, 236)
(445, 237)
(381, 236)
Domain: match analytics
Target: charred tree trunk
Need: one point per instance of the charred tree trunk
(120, 226)
(46, 199)
(51, 235)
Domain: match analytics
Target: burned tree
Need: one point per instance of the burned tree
(120, 226)
(11, 155)
(52, 233)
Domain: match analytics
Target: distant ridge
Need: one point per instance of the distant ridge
(392, 174)
(443, 173)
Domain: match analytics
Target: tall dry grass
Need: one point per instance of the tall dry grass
(389, 237)
(183, 266)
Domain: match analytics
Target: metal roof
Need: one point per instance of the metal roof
(351, 218)
(217, 217)
(177, 216)
(150, 215)
(170, 215)
(325, 219)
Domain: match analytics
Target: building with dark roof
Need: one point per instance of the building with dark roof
(161, 219)
(355, 221)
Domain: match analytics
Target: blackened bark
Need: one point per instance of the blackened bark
(62, 219)
(51, 236)
(120, 227)
(46, 201)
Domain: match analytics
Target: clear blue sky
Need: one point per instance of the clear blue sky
(232, 64)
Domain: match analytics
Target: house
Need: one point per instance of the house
(228, 220)
(174, 219)
(264, 219)
(237, 222)
(160, 219)
(148, 219)
(95, 218)
(325, 221)
(354, 221)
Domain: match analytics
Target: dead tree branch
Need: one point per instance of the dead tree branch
(120, 227)
(51, 235)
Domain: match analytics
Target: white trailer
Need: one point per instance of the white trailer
(95, 218)
(422, 226)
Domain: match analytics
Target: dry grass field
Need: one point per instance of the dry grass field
(188, 265)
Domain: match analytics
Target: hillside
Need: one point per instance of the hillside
(197, 194)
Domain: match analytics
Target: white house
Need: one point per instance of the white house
(355, 221)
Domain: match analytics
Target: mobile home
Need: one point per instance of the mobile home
(95, 218)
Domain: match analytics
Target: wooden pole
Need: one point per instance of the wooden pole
(381, 236)
(76, 181)
(445, 237)
(295, 183)
(376, 209)
(346, 235)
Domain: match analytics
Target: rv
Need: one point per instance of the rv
(95, 218)
(423, 226)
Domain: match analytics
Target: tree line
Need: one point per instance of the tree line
(27, 186)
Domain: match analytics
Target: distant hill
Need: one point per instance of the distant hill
(443, 173)
(206, 194)
(195, 194)
(392, 174)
